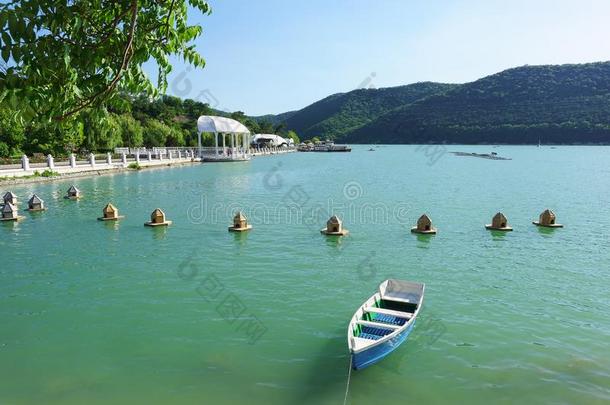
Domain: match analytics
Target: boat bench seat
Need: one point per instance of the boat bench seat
(390, 297)
(368, 336)
(398, 314)
(378, 325)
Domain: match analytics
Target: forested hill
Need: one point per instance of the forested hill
(556, 104)
(336, 115)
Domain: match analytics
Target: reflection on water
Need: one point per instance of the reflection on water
(423, 240)
(158, 232)
(335, 241)
(498, 235)
(546, 231)
(14, 225)
(240, 238)
(113, 225)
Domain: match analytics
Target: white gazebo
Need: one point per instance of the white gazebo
(225, 126)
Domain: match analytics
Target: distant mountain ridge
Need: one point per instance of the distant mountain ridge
(557, 103)
(338, 114)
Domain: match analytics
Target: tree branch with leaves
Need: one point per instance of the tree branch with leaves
(63, 57)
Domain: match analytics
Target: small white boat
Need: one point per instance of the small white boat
(384, 321)
(226, 158)
(330, 146)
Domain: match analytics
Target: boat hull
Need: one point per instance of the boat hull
(375, 353)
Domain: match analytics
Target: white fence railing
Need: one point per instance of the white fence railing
(130, 155)
(127, 156)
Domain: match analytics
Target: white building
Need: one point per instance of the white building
(271, 140)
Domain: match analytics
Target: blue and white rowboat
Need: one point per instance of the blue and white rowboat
(384, 321)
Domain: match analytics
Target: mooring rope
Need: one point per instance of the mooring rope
(349, 376)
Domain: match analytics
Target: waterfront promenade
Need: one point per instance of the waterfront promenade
(121, 159)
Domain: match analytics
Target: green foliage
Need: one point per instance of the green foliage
(64, 138)
(293, 135)
(131, 131)
(66, 57)
(155, 133)
(206, 140)
(557, 104)
(134, 166)
(11, 135)
(5, 151)
(70, 66)
(173, 123)
(336, 115)
(49, 173)
(266, 127)
(175, 137)
(103, 131)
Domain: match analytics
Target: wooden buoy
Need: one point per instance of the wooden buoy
(110, 213)
(240, 223)
(36, 204)
(424, 226)
(9, 198)
(157, 218)
(10, 213)
(334, 226)
(73, 193)
(548, 220)
(499, 223)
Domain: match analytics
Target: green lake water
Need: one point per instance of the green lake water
(94, 312)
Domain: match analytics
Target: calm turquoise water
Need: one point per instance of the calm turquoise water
(93, 312)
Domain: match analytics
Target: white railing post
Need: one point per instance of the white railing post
(50, 162)
(124, 159)
(109, 158)
(72, 160)
(138, 157)
(179, 154)
(149, 156)
(25, 162)
(92, 159)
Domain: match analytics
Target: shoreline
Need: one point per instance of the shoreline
(104, 169)
(88, 173)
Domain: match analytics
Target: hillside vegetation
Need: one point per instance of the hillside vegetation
(557, 104)
(132, 122)
(336, 115)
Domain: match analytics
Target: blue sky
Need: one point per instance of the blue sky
(272, 56)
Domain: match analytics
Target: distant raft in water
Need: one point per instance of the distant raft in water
(548, 220)
(73, 193)
(10, 213)
(157, 218)
(9, 198)
(491, 156)
(36, 204)
(424, 226)
(110, 213)
(240, 223)
(499, 223)
(334, 227)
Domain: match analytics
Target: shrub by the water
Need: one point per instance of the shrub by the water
(49, 173)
